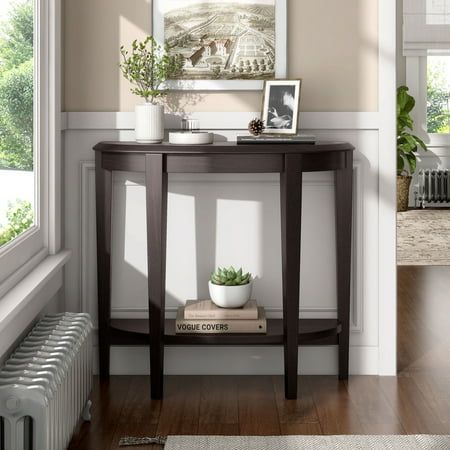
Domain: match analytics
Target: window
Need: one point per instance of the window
(17, 180)
(426, 45)
(438, 94)
(27, 132)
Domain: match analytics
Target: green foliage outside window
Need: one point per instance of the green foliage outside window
(16, 88)
(20, 217)
(16, 109)
(438, 95)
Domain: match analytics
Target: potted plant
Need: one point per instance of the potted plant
(229, 288)
(147, 67)
(407, 146)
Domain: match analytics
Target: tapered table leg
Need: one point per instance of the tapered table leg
(344, 187)
(156, 194)
(291, 206)
(103, 189)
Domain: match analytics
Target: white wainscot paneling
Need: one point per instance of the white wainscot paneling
(220, 220)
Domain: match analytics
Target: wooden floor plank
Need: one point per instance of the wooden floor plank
(140, 414)
(423, 319)
(108, 400)
(298, 429)
(257, 406)
(219, 403)
(136, 429)
(414, 411)
(180, 407)
(417, 401)
(372, 408)
(139, 406)
(436, 389)
(336, 412)
(296, 416)
(220, 429)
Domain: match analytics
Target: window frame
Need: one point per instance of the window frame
(416, 80)
(24, 253)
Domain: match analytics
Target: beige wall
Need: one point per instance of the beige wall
(332, 45)
(401, 60)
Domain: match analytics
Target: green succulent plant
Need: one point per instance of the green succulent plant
(230, 277)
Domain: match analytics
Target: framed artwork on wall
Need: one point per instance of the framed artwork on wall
(281, 106)
(224, 44)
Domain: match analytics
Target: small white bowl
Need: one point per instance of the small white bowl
(191, 138)
(230, 296)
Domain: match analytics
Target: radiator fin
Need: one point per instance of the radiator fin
(46, 383)
(434, 187)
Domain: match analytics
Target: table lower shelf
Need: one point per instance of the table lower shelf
(311, 332)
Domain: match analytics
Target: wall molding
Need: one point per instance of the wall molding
(87, 177)
(229, 120)
(435, 152)
(241, 361)
(87, 169)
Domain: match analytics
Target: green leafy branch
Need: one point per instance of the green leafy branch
(20, 217)
(148, 65)
(407, 143)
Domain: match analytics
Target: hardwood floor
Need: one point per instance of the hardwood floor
(417, 401)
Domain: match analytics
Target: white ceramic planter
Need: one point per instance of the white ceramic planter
(149, 123)
(230, 296)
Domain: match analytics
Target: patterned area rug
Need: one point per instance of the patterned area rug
(423, 238)
(308, 442)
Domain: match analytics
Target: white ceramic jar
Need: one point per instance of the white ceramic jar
(149, 123)
(230, 296)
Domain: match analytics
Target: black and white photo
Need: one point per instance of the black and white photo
(280, 106)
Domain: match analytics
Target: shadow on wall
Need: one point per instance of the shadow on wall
(181, 103)
(202, 233)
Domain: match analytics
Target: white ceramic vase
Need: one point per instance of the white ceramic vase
(149, 123)
(230, 296)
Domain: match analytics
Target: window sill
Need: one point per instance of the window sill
(21, 304)
(439, 140)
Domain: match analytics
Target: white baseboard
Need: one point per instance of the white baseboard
(240, 360)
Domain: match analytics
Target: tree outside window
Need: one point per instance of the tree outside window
(438, 94)
(16, 118)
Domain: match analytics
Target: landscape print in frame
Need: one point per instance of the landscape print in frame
(224, 44)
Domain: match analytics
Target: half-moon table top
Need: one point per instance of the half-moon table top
(229, 147)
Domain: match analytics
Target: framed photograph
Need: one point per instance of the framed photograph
(224, 44)
(280, 106)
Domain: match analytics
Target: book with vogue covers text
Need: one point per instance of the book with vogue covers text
(220, 326)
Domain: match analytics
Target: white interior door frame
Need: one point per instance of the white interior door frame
(387, 189)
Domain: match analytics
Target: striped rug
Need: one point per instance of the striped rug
(416, 442)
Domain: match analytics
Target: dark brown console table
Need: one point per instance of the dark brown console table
(290, 161)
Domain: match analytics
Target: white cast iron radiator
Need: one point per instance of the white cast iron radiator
(434, 188)
(45, 384)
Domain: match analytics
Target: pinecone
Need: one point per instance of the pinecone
(256, 127)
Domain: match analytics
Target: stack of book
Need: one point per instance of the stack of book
(204, 317)
(276, 139)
